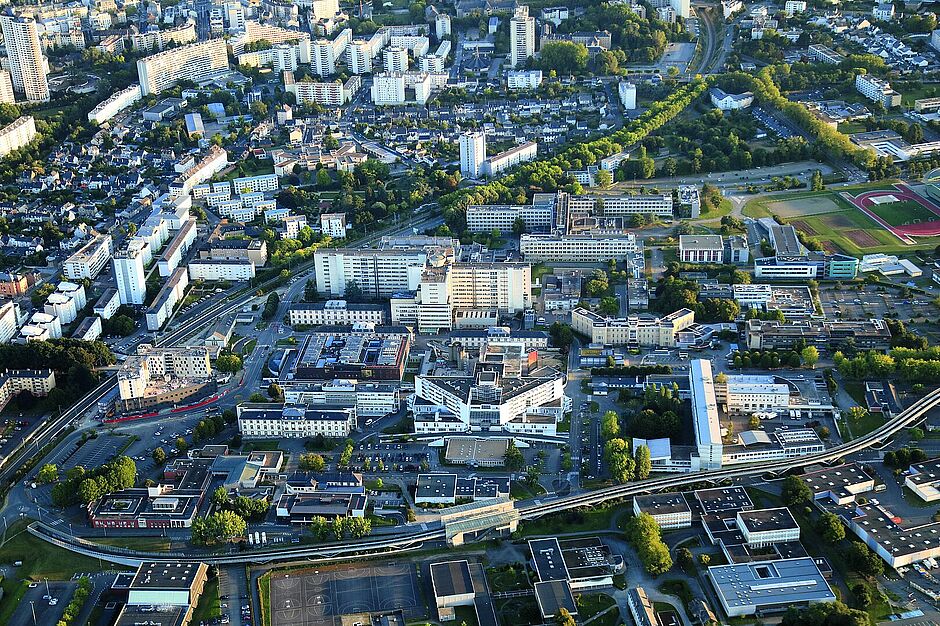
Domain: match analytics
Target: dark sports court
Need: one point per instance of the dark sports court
(319, 597)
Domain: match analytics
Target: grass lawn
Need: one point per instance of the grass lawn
(862, 426)
(851, 127)
(520, 491)
(856, 390)
(208, 607)
(909, 94)
(903, 213)
(522, 611)
(144, 544)
(569, 522)
(508, 578)
(590, 604)
(264, 590)
(40, 560)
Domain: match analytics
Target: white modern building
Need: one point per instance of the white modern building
(627, 92)
(114, 104)
(638, 331)
(17, 134)
(523, 79)
(8, 321)
(877, 89)
(472, 153)
(129, 275)
(333, 225)
(708, 441)
(335, 312)
(521, 37)
(744, 394)
(576, 248)
(232, 270)
(271, 421)
(510, 158)
(89, 260)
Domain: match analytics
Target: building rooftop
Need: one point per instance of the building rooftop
(723, 500)
(770, 583)
(451, 578)
(436, 486)
(662, 504)
(767, 520)
(701, 242)
(163, 576)
(554, 595)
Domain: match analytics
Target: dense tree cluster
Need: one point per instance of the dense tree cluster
(246, 508)
(84, 486)
(74, 608)
(340, 527)
(642, 40)
(219, 527)
(768, 359)
(825, 614)
(643, 532)
(549, 174)
(902, 458)
(907, 364)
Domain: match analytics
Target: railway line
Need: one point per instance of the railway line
(412, 538)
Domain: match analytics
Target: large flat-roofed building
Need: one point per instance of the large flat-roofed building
(840, 484)
(670, 510)
(536, 218)
(769, 586)
(764, 527)
(277, 421)
(90, 259)
(645, 331)
(705, 414)
(303, 508)
(552, 596)
(871, 334)
(585, 563)
(878, 90)
(490, 400)
(881, 529)
(701, 248)
(924, 480)
(212, 270)
(364, 398)
(576, 248)
(500, 335)
(476, 451)
(724, 502)
(363, 351)
(167, 584)
(641, 607)
(17, 134)
(451, 489)
(461, 583)
(192, 61)
(335, 312)
(510, 158)
(743, 394)
(392, 267)
(167, 298)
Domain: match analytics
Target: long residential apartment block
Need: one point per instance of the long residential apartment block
(267, 421)
(191, 62)
(17, 134)
(90, 259)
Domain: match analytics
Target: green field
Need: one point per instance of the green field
(839, 225)
(903, 213)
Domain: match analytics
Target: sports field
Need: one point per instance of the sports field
(857, 220)
(903, 213)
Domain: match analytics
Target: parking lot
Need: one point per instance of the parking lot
(319, 597)
(94, 452)
(36, 604)
(872, 303)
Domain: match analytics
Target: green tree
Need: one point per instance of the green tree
(795, 492)
(220, 497)
(610, 425)
(565, 57)
(48, 473)
(816, 181)
(275, 392)
(644, 534)
(830, 527)
(219, 527)
(810, 356)
(863, 560)
(644, 464)
(603, 179)
(513, 459)
(564, 618)
(158, 455)
(857, 413)
(228, 363)
(312, 462)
